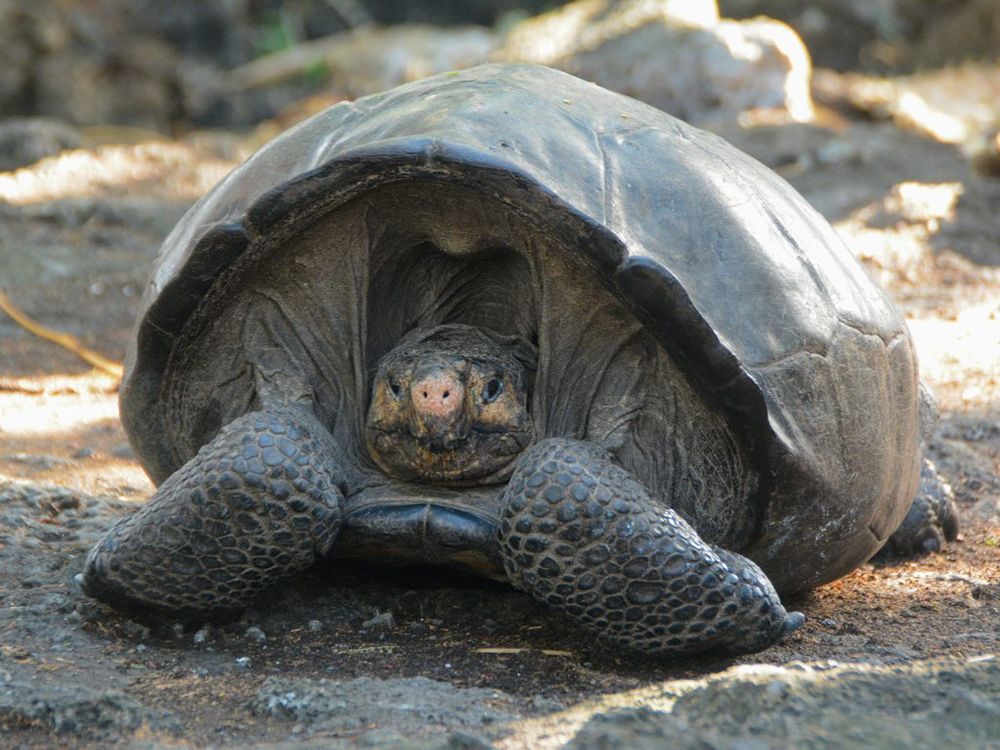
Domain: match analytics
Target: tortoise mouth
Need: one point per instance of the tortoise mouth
(481, 456)
(442, 443)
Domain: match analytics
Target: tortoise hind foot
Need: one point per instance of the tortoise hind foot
(260, 502)
(931, 520)
(582, 535)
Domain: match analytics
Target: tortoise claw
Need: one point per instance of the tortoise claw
(793, 622)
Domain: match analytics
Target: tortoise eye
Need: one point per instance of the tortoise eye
(395, 389)
(492, 389)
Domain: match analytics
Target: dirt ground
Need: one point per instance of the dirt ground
(77, 235)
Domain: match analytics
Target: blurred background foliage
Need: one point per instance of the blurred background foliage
(168, 66)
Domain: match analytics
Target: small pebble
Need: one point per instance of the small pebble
(135, 630)
(202, 634)
(381, 621)
(83, 453)
(87, 611)
(178, 630)
(124, 450)
(33, 460)
(243, 662)
(315, 626)
(254, 633)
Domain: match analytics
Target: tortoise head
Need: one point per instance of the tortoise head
(449, 406)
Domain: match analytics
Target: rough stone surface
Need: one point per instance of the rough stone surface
(949, 703)
(50, 513)
(92, 714)
(414, 705)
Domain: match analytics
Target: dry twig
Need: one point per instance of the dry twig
(64, 340)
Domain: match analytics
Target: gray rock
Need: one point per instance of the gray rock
(937, 703)
(77, 710)
(136, 631)
(410, 706)
(987, 509)
(381, 621)
(255, 634)
(24, 141)
(123, 451)
(26, 509)
(202, 635)
(35, 461)
(677, 56)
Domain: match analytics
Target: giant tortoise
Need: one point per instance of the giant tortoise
(506, 320)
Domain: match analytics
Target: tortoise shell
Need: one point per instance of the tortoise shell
(702, 249)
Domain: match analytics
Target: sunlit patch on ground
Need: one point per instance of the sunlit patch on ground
(908, 241)
(961, 357)
(167, 170)
(68, 436)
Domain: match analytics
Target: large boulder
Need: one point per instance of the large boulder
(946, 703)
(678, 56)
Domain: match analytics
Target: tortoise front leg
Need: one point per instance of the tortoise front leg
(580, 534)
(258, 503)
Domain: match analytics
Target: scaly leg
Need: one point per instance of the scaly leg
(258, 503)
(582, 535)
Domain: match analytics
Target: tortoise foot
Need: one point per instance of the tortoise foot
(931, 520)
(260, 502)
(582, 535)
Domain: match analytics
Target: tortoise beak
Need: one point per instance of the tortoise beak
(438, 397)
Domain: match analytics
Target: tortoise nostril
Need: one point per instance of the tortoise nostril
(438, 394)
